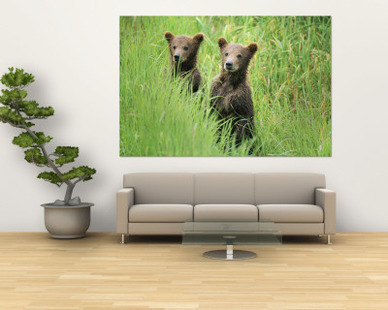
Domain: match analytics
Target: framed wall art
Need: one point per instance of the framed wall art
(225, 86)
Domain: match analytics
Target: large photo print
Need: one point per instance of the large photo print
(225, 86)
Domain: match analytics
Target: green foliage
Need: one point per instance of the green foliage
(35, 156)
(13, 95)
(31, 109)
(14, 99)
(7, 115)
(26, 139)
(17, 78)
(290, 77)
(66, 154)
(83, 172)
(19, 112)
(51, 177)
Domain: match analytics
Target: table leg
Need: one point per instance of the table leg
(229, 251)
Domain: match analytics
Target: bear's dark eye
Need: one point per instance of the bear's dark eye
(186, 48)
(174, 47)
(226, 54)
(239, 56)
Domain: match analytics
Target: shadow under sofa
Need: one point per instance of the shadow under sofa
(159, 203)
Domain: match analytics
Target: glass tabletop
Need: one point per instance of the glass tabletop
(234, 232)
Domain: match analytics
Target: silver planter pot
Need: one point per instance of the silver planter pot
(67, 222)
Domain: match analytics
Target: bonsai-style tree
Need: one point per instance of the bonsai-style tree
(21, 113)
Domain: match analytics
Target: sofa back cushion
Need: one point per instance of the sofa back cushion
(161, 187)
(228, 188)
(289, 188)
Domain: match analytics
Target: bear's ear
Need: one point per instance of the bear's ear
(252, 48)
(222, 43)
(169, 36)
(198, 38)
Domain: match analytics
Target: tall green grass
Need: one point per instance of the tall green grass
(290, 77)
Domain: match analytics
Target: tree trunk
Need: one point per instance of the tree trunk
(69, 193)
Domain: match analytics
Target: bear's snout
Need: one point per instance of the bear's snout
(176, 57)
(228, 65)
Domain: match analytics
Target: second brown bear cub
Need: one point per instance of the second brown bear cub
(183, 54)
(230, 90)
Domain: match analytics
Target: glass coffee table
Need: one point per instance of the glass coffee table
(230, 234)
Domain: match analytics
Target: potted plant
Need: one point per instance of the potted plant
(67, 218)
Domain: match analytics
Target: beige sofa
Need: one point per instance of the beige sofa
(159, 203)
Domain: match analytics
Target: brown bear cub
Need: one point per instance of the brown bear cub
(183, 54)
(230, 90)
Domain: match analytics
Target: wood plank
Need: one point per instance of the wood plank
(37, 273)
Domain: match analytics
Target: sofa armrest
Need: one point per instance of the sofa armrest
(326, 199)
(124, 200)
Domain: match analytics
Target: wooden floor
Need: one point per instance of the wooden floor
(38, 273)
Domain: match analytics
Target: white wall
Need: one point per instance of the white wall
(72, 47)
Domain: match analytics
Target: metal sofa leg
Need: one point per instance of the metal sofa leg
(122, 239)
(328, 239)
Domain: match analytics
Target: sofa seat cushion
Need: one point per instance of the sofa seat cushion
(160, 213)
(225, 212)
(290, 213)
